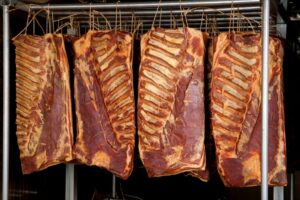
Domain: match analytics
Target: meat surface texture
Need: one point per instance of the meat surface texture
(44, 118)
(171, 102)
(236, 109)
(104, 100)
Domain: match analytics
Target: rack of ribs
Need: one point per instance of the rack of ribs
(104, 99)
(171, 102)
(236, 109)
(43, 116)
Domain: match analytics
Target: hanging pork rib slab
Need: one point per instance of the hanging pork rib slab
(44, 118)
(235, 107)
(171, 102)
(104, 101)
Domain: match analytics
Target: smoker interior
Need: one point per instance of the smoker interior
(96, 183)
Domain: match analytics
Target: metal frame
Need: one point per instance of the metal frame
(137, 6)
(292, 186)
(70, 183)
(6, 123)
(265, 103)
(145, 11)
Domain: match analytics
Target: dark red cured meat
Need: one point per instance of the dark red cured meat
(238, 144)
(104, 101)
(44, 118)
(171, 102)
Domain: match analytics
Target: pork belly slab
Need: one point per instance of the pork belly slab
(44, 116)
(105, 101)
(236, 109)
(171, 102)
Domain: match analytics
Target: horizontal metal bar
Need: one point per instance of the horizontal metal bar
(223, 26)
(142, 16)
(196, 22)
(128, 19)
(168, 12)
(135, 5)
(247, 16)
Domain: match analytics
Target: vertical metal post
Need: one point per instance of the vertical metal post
(278, 193)
(265, 103)
(114, 194)
(71, 186)
(5, 161)
(292, 187)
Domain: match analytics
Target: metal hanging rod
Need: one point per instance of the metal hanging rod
(139, 5)
(145, 11)
(249, 9)
(167, 19)
(245, 11)
(220, 26)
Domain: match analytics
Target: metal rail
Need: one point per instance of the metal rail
(168, 11)
(144, 11)
(5, 151)
(137, 5)
(265, 100)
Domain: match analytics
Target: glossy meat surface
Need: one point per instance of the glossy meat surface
(171, 102)
(105, 101)
(44, 118)
(236, 109)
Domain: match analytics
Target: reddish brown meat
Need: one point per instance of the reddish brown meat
(236, 113)
(171, 102)
(104, 101)
(44, 118)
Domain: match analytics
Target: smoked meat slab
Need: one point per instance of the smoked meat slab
(171, 102)
(236, 110)
(104, 99)
(44, 115)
